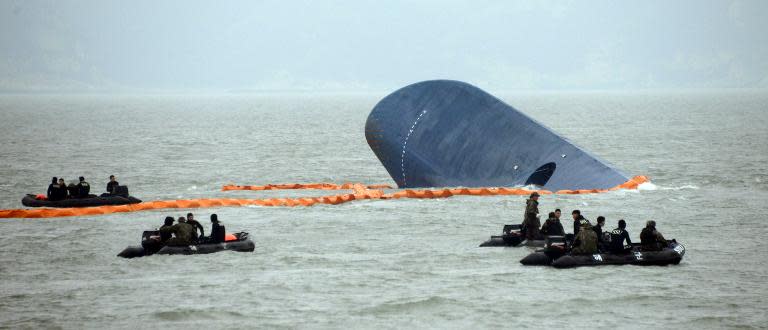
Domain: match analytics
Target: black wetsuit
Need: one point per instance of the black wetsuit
(54, 192)
(83, 189)
(599, 231)
(618, 236)
(217, 233)
(112, 187)
(552, 227)
(196, 225)
(577, 225)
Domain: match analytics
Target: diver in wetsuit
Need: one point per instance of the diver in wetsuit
(217, 230)
(618, 236)
(651, 239)
(53, 190)
(531, 218)
(112, 185)
(552, 227)
(192, 222)
(598, 228)
(586, 240)
(181, 231)
(83, 188)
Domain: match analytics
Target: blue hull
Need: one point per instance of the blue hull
(444, 133)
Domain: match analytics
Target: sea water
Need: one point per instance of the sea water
(406, 263)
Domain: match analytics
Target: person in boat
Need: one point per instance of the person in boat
(217, 230)
(586, 240)
(112, 185)
(182, 233)
(618, 236)
(72, 190)
(531, 218)
(54, 190)
(83, 188)
(195, 224)
(557, 214)
(651, 239)
(576, 214)
(63, 191)
(552, 227)
(598, 228)
(166, 235)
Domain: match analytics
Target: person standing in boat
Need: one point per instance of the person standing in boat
(112, 185)
(531, 218)
(618, 236)
(552, 227)
(651, 239)
(83, 188)
(585, 241)
(63, 191)
(195, 224)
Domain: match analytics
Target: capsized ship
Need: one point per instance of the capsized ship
(444, 133)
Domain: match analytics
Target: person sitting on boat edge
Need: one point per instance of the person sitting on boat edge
(651, 239)
(181, 231)
(585, 241)
(552, 227)
(194, 223)
(531, 217)
(618, 236)
(217, 230)
(83, 188)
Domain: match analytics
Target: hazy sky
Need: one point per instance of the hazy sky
(380, 45)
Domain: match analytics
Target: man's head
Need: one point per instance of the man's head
(168, 221)
(55, 180)
(81, 179)
(214, 218)
(622, 224)
(61, 181)
(535, 196)
(111, 178)
(651, 224)
(557, 213)
(190, 216)
(182, 220)
(600, 220)
(552, 215)
(576, 214)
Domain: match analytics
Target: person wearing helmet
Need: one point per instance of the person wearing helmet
(618, 236)
(531, 222)
(651, 239)
(586, 240)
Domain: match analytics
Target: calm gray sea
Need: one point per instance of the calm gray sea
(390, 264)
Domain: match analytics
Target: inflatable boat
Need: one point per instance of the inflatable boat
(92, 200)
(512, 236)
(120, 197)
(555, 254)
(150, 244)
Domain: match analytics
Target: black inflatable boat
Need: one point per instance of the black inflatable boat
(555, 254)
(150, 245)
(512, 236)
(121, 197)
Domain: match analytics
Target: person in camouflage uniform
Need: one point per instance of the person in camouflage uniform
(531, 218)
(181, 231)
(586, 240)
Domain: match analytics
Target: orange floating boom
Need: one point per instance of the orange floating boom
(361, 192)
